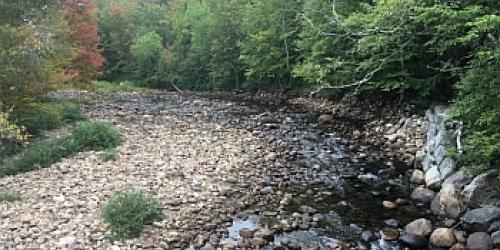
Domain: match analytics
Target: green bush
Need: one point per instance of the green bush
(9, 196)
(40, 116)
(96, 136)
(87, 136)
(478, 105)
(127, 211)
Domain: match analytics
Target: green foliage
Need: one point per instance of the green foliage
(41, 116)
(95, 136)
(268, 51)
(478, 104)
(146, 52)
(9, 195)
(87, 136)
(123, 86)
(126, 212)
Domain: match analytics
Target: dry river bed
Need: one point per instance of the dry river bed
(212, 163)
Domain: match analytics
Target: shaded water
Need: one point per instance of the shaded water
(330, 177)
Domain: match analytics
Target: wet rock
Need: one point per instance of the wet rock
(443, 237)
(393, 223)
(417, 177)
(246, 233)
(479, 241)
(361, 245)
(325, 119)
(480, 219)
(307, 210)
(414, 241)
(422, 195)
(258, 242)
(483, 190)
(264, 233)
(368, 236)
(389, 234)
(420, 227)
(389, 204)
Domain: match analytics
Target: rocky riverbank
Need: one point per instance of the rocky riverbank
(332, 175)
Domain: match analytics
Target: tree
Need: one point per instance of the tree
(87, 62)
(147, 51)
(268, 50)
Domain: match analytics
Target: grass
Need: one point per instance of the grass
(9, 196)
(126, 212)
(87, 136)
(109, 155)
(124, 86)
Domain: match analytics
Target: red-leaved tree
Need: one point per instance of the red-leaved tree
(81, 17)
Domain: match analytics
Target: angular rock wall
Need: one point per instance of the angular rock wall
(472, 202)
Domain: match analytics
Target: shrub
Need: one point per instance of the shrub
(9, 196)
(127, 211)
(96, 136)
(87, 136)
(40, 116)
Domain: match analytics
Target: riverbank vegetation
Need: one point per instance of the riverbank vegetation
(421, 50)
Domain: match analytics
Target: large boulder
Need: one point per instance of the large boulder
(483, 190)
(448, 203)
(423, 195)
(479, 241)
(443, 237)
(458, 179)
(420, 227)
(480, 219)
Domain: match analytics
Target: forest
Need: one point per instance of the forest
(427, 51)
(422, 53)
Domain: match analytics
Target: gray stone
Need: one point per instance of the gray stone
(420, 156)
(414, 241)
(420, 227)
(423, 195)
(428, 162)
(480, 219)
(458, 179)
(417, 176)
(495, 239)
(443, 237)
(258, 242)
(266, 190)
(458, 246)
(448, 203)
(264, 233)
(433, 178)
(368, 236)
(483, 190)
(446, 168)
(389, 234)
(479, 241)
(246, 232)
